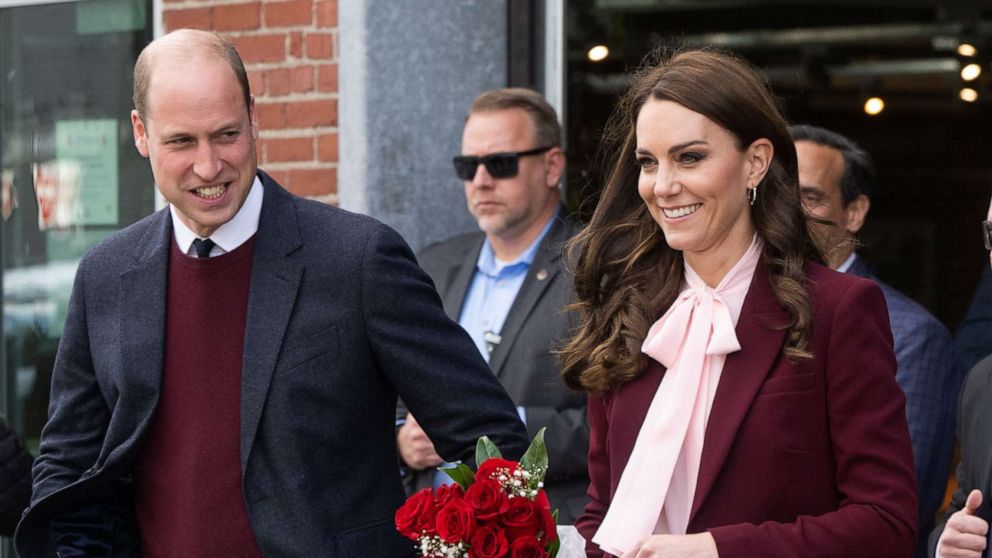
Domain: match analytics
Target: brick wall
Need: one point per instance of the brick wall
(290, 49)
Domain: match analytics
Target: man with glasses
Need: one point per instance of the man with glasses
(507, 285)
(965, 530)
(835, 180)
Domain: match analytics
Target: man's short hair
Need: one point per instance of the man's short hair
(200, 42)
(547, 131)
(859, 170)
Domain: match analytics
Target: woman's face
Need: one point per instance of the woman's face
(693, 179)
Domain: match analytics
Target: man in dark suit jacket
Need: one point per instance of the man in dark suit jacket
(227, 377)
(835, 177)
(964, 531)
(507, 285)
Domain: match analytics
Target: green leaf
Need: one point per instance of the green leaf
(553, 548)
(486, 449)
(536, 457)
(460, 473)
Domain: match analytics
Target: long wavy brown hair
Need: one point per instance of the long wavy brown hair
(625, 273)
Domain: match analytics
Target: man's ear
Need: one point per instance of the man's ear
(253, 116)
(140, 133)
(555, 163)
(856, 211)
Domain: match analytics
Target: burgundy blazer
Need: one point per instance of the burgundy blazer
(808, 458)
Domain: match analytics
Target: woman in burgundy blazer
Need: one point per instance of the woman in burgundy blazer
(806, 450)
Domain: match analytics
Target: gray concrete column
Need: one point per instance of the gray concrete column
(408, 71)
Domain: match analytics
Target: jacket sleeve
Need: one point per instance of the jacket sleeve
(599, 476)
(429, 359)
(877, 504)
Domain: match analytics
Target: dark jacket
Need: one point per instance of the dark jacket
(15, 479)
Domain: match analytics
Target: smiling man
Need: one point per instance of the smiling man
(507, 286)
(835, 179)
(227, 376)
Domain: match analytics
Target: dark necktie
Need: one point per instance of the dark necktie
(203, 246)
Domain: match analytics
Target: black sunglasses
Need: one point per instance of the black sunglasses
(987, 234)
(499, 165)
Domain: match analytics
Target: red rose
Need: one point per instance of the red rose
(543, 508)
(446, 493)
(455, 522)
(493, 466)
(487, 498)
(526, 547)
(488, 542)
(416, 515)
(522, 519)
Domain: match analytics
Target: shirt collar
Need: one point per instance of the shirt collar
(231, 234)
(848, 263)
(489, 265)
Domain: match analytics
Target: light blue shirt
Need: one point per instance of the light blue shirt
(493, 289)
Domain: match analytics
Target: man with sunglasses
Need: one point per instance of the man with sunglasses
(965, 529)
(507, 285)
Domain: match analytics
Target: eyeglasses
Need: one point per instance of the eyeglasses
(499, 165)
(987, 234)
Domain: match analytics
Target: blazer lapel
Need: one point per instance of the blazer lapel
(540, 275)
(275, 280)
(142, 314)
(761, 338)
(459, 278)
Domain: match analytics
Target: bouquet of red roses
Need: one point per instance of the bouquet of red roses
(500, 510)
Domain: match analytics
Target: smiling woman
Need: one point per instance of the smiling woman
(718, 424)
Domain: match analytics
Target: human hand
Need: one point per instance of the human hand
(700, 545)
(964, 535)
(416, 449)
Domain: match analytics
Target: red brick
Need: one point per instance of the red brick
(289, 149)
(305, 114)
(283, 14)
(301, 79)
(271, 116)
(256, 82)
(327, 148)
(277, 82)
(320, 46)
(327, 13)
(313, 182)
(327, 77)
(237, 17)
(261, 48)
(192, 18)
(296, 44)
(280, 176)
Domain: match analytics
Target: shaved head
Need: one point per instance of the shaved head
(180, 47)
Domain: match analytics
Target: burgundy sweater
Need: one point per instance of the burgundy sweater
(190, 500)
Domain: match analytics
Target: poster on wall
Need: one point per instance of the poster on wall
(56, 187)
(92, 144)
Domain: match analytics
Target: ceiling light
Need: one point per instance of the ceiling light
(874, 106)
(971, 72)
(598, 53)
(968, 95)
(965, 49)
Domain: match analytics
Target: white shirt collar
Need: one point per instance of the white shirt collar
(848, 262)
(231, 234)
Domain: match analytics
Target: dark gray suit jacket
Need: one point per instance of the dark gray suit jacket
(523, 360)
(340, 321)
(975, 435)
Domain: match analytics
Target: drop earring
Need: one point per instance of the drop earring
(752, 194)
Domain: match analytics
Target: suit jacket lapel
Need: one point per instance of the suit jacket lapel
(743, 373)
(459, 278)
(275, 280)
(540, 274)
(142, 312)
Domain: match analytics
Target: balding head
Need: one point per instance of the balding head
(183, 46)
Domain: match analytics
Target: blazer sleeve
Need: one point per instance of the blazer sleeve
(429, 359)
(599, 476)
(877, 504)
